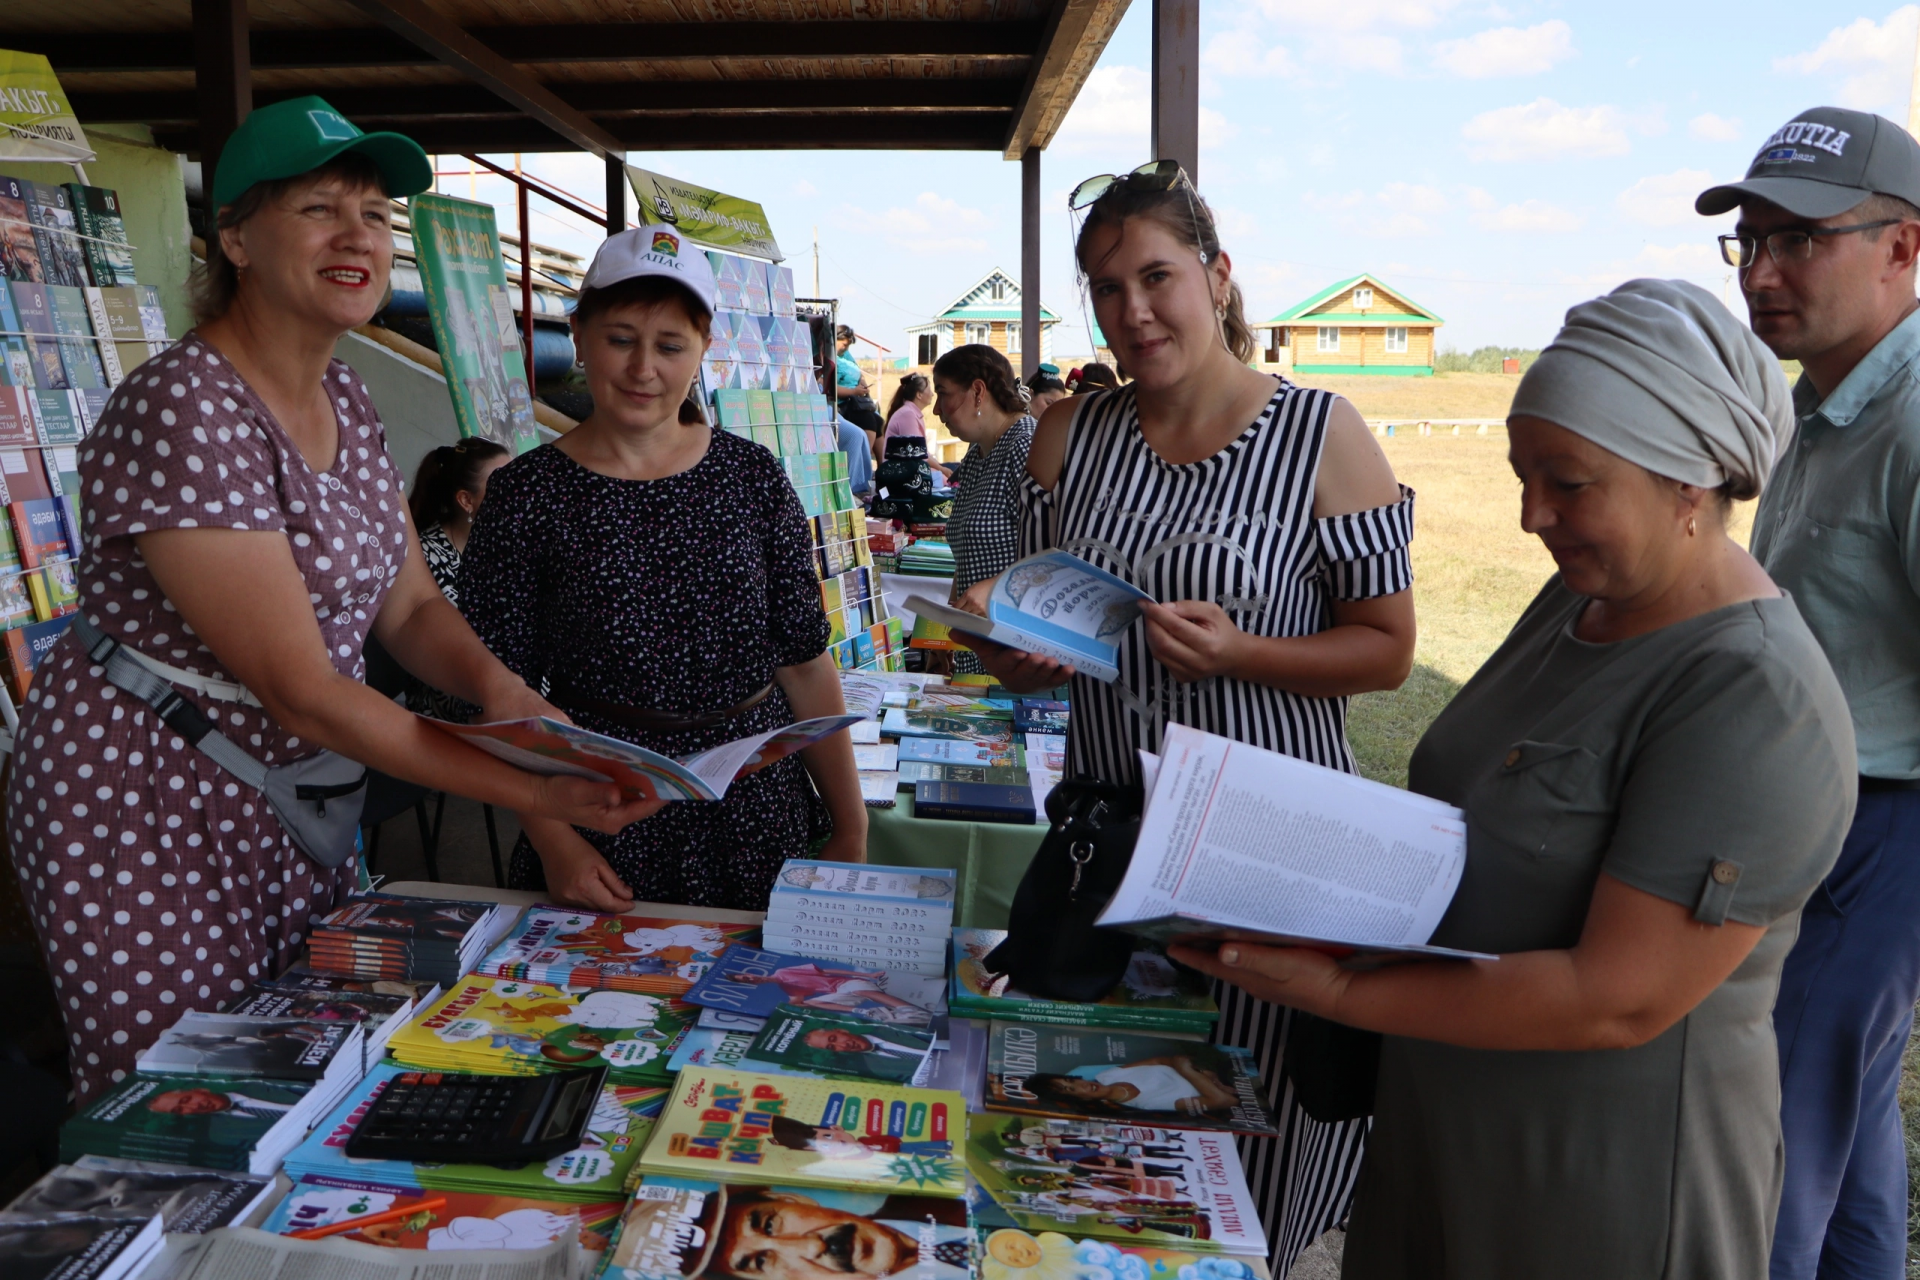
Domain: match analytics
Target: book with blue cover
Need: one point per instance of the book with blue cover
(755, 983)
(973, 802)
(1053, 604)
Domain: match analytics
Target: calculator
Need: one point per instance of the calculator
(437, 1117)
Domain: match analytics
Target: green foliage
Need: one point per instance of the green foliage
(1482, 359)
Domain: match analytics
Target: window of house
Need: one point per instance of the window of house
(998, 289)
(929, 348)
(1362, 299)
(1329, 339)
(979, 332)
(1013, 337)
(1397, 341)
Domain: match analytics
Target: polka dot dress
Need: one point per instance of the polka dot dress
(681, 595)
(156, 881)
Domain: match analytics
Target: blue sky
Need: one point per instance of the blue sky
(1499, 162)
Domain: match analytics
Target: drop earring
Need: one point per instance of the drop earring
(1690, 527)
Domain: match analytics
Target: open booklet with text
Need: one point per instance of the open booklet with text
(1053, 604)
(1241, 842)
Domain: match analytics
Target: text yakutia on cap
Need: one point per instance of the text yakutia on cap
(298, 136)
(1824, 163)
(653, 251)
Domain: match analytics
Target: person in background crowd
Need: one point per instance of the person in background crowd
(853, 443)
(245, 527)
(1828, 235)
(1091, 378)
(1657, 769)
(853, 398)
(1272, 601)
(980, 401)
(906, 416)
(447, 490)
(1043, 388)
(656, 577)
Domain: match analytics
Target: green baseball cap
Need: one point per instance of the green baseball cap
(298, 136)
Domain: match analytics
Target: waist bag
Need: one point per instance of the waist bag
(318, 799)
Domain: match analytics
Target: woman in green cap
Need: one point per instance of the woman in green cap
(245, 528)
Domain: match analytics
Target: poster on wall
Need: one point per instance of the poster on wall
(703, 216)
(36, 121)
(457, 248)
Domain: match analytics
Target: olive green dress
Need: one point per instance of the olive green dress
(1720, 744)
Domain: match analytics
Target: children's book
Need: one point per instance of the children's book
(1009, 1253)
(53, 591)
(625, 953)
(209, 1122)
(1053, 604)
(544, 745)
(17, 607)
(1154, 994)
(754, 982)
(502, 1026)
(598, 1170)
(811, 1133)
(19, 251)
(710, 1047)
(1103, 1073)
(27, 646)
(685, 1229)
(809, 1040)
(468, 1220)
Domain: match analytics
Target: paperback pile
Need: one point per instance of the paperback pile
(896, 918)
(328, 1054)
(79, 1245)
(927, 558)
(623, 953)
(378, 1016)
(1154, 994)
(379, 935)
(189, 1201)
(207, 1121)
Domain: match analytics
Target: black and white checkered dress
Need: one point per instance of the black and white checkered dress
(1237, 529)
(984, 529)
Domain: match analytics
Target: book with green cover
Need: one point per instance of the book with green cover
(760, 408)
(16, 365)
(774, 1130)
(97, 211)
(1154, 994)
(832, 1044)
(1102, 1073)
(75, 329)
(212, 1122)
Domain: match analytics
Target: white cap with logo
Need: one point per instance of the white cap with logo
(653, 251)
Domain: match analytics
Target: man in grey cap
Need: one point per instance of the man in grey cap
(1826, 244)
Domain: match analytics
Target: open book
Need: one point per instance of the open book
(1241, 842)
(1052, 604)
(545, 745)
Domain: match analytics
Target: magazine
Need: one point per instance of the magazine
(1053, 604)
(205, 1121)
(1105, 1074)
(545, 745)
(811, 1040)
(755, 983)
(1131, 1182)
(626, 953)
(500, 1026)
(794, 1129)
(1154, 994)
(467, 1220)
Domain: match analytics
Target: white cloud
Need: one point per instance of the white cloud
(1713, 128)
(1397, 211)
(1870, 63)
(1355, 15)
(1545, 130)
(1693, 258)
(1113, 117)
(802, 189)
(1531, 215)
(1361, 51)
(931, 224)
(1665, 199)
(1507, 51)
(1243, 53)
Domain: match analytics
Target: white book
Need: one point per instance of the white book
(1053, 604)
(1244, 842)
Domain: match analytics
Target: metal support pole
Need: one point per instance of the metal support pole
(1030, 262)
(526, 280)
(1176, 83)
(616, 195)
(223, 80)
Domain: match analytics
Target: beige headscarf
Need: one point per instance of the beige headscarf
(1661, 374)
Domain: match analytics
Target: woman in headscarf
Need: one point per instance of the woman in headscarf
(1657, 768)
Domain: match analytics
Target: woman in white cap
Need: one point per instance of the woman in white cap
(1657, 768)
(655, 578)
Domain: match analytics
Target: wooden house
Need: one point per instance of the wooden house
(1358, 326)
(987, 313)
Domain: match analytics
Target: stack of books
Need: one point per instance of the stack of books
(568, 948)
(1154, 994)
(189, 1201)
(211, 1122)
(927, 558)
(326, 1053)
(379, 935)
(379, 1015)
(461, 1219)
(82, 1246)
(896, 918)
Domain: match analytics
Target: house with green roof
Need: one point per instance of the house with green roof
(987, 313)
(1358, 326)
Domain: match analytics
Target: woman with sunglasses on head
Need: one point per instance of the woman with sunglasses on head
(1268, 529)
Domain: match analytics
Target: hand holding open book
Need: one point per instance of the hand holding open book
(1052, 604)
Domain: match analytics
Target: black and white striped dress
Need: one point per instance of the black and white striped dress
(1237, 529)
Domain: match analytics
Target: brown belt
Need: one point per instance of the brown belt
(654, 721)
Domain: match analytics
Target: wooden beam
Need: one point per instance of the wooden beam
(1030, 262)
(335, 47)
(223, 83)
(1077, 32)
(1176, 84)
(439, 36)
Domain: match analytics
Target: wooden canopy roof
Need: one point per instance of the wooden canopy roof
(601, 75)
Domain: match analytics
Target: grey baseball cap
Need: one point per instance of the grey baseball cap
(1824, 163)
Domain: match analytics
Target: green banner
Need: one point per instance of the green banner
(36, 123)
(703, 216)
(458, 252)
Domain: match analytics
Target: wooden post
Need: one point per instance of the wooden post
(223, 79)
(1176, 83)
(1030, 262)
(526, 279)
(616, 195)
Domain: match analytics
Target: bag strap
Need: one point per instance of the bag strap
(131, 670)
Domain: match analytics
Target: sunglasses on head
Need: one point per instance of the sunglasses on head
(1155, 175)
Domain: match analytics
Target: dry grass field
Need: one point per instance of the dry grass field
(1445, 395)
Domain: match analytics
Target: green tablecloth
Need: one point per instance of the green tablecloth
(990, 857)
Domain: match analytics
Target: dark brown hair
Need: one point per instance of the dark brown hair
(444, 474)
(911, 385)
(643, 291)
(1185, 217)
(977, 362)
(216, 284)
(1095, 377)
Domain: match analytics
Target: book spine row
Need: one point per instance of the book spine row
(891, 908)
(940, 927)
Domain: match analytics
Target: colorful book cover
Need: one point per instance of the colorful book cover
(109, 256)
(57, 421)
(27, 647)
(1106, 1073)
(793, 1129)
(501, 1026)
(468, 1220)
(122, 305)
(78, 355)
(1153, 993)
(18, 420)
(911, 724)
(108, 349)
(54, 229)
(224, 1044)
(626, 953)
(710, 1047)
(200, 1120)
(19, 251)
(1009, 1253)
(955, 751)
(153, 318)
(831, 1044)
(780, 289)
(16, 599)
(913, 771)
(1132, 1182)
(598, 1170)
(759, 300)
(755, 983)
(688, 1229)
(16, 363)
(35, 313)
